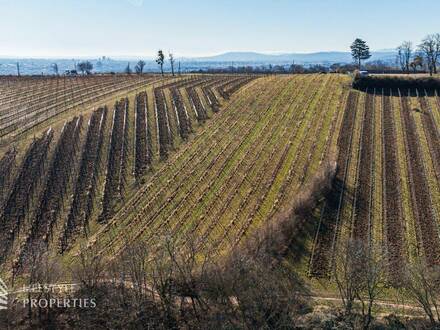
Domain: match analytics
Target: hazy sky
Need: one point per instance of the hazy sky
(38, 28)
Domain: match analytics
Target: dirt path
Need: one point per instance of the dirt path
(382, 303)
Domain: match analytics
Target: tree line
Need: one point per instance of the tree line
(426, 54)
(408, 58)
(86, 67)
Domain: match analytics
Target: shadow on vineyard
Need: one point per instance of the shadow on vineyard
(429, 84)
(172, 286)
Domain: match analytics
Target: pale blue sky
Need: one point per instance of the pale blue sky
(68, 28)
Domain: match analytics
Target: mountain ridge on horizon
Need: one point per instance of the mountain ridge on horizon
(238, 56)
(118, 64)
(318, 57)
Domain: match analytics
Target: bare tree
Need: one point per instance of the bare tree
(372, 280)
(416, 62)
(160, 60)
(430, 48)
(89, 268)
(359, 271)
(404, 53)
(139, 68)
(422, 283)
(171, 57)
(85, 67)
(160, 276)
(347, 270)
(135, 262)
(34, 258)
(188, 279)
(42, 269)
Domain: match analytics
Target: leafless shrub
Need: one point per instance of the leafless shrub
(89, 270)
(42, 269)
(359, 272)
(423, 285)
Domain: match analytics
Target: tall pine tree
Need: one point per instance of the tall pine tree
(360, 51)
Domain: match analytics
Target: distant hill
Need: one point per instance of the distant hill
(299, 58)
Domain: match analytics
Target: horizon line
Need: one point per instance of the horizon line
(151, 57)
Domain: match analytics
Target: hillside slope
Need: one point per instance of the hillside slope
(243, 167)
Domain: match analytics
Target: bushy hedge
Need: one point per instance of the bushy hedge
(396, 82)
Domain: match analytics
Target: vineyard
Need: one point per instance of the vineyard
(111, 160)
(28, 102)
(67, 166)
(240, 169)
(387, 189)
